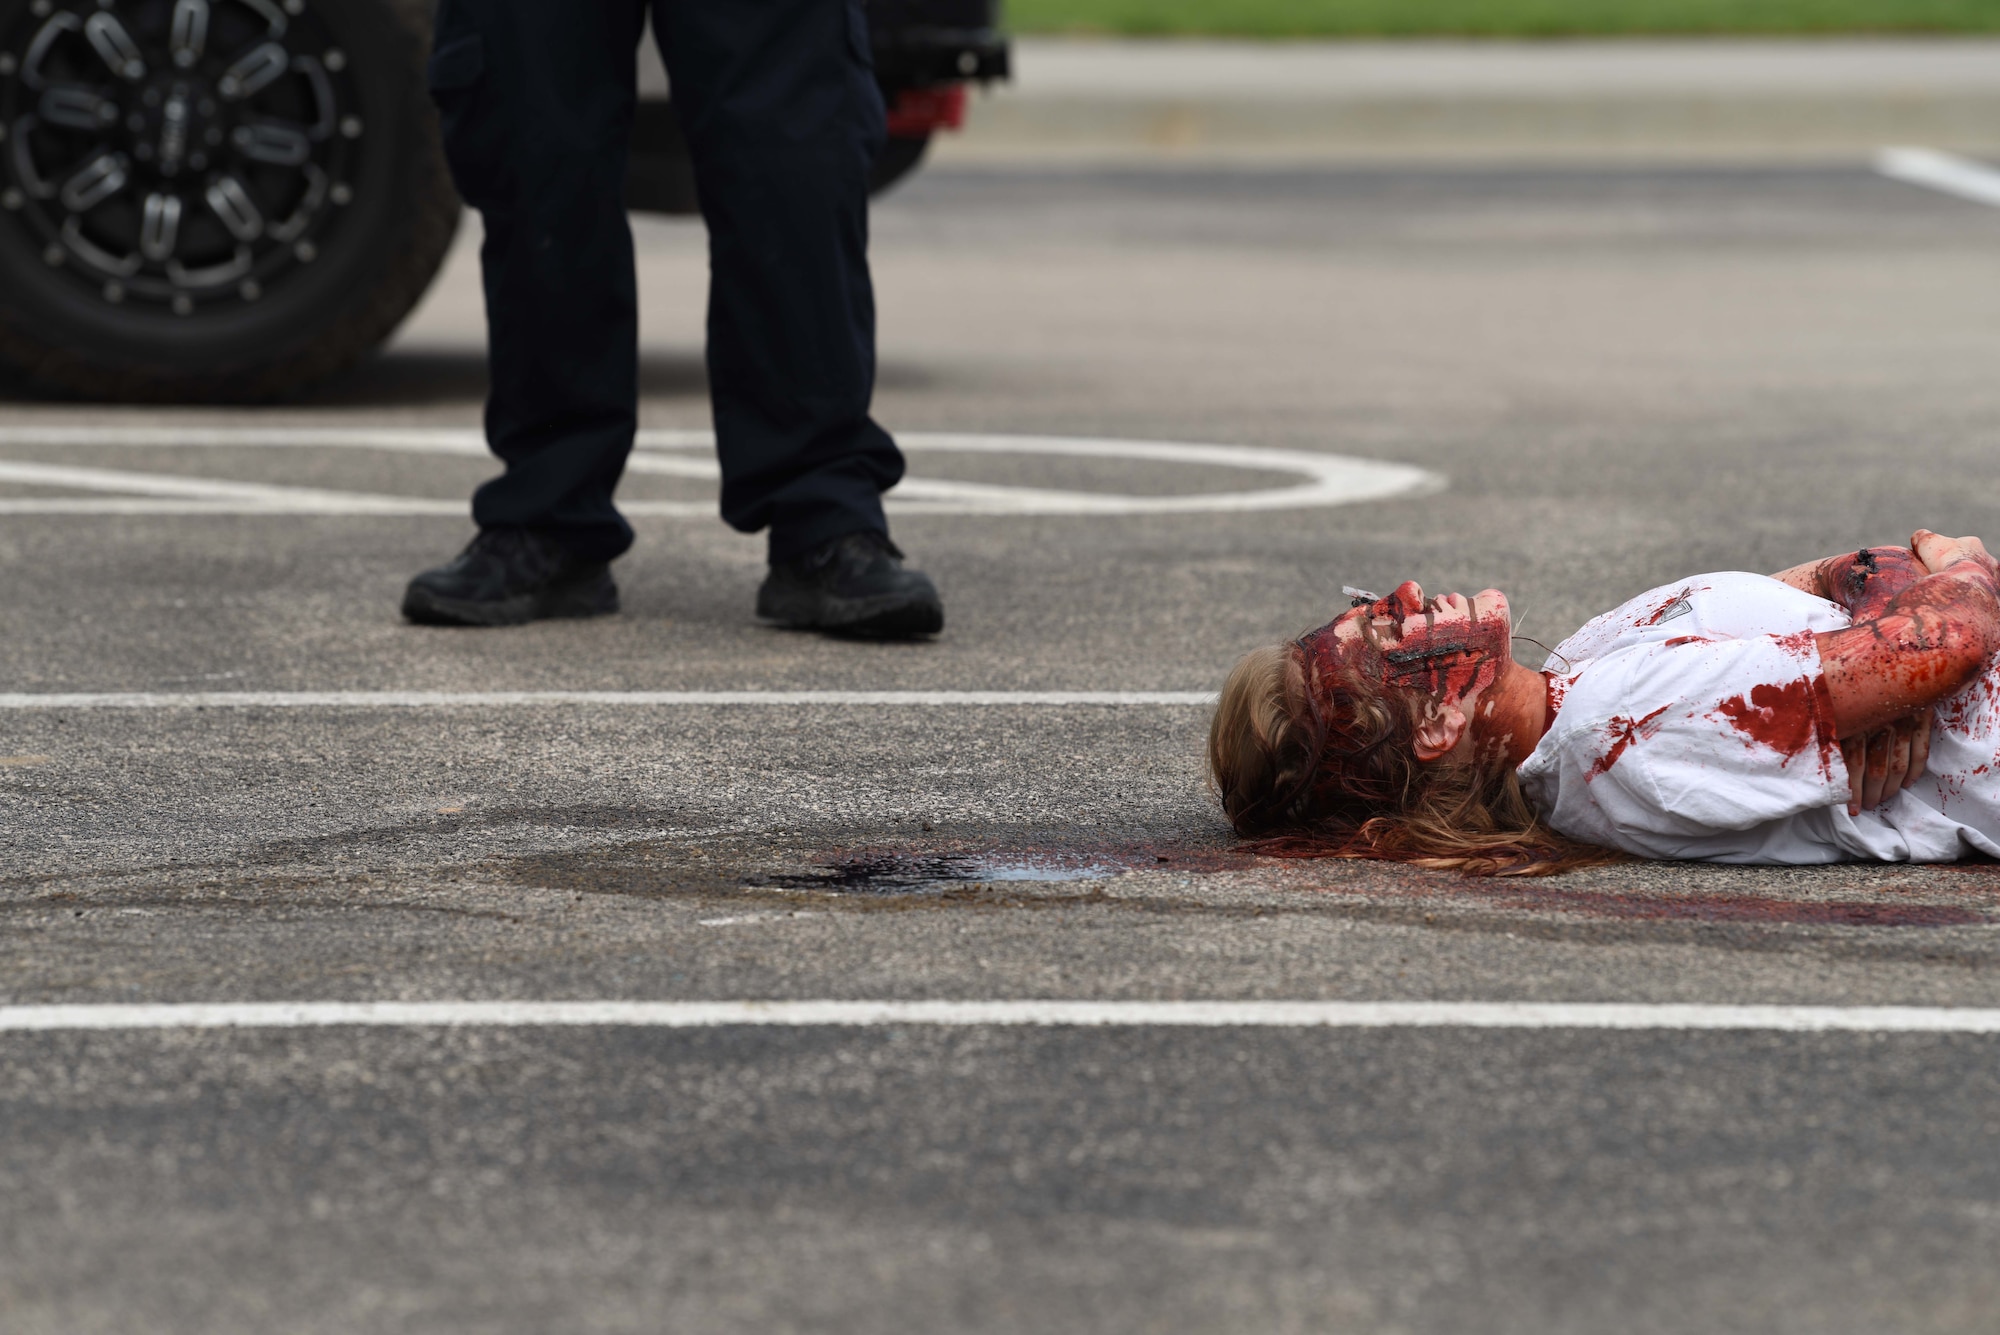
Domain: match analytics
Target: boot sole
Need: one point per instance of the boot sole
(890, 616)
(563, 603)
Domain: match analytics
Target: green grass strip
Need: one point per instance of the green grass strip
(1499, 18)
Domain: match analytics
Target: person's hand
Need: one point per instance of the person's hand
(1937, 551)
(1883, 763)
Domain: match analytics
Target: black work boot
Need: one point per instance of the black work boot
(854, 585)
(508, 577)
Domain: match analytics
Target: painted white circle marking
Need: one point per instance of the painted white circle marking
(1322, 479)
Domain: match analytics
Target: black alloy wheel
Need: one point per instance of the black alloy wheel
(212, 199)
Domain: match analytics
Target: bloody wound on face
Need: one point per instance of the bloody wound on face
(1447, 661)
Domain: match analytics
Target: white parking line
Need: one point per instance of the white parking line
(1091, 1014)
(168, 493)
(616, 699)
(1941, 171)
(1328, 479)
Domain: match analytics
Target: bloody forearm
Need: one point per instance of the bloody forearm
(1867, 581)
(1926, 642)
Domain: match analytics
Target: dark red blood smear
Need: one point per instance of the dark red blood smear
(1779, 717)
(1865, 582)
(1448, 660)
(1624, 731)
(1679, 640)
(1660, 612)
(1783, 717)
(1746, 908)
(1402, 602)
(1933, 639)
(1553, 896)
(1961, 711)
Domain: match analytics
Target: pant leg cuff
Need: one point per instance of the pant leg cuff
(793, 541)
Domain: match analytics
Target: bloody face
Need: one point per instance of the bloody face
(1450, 648)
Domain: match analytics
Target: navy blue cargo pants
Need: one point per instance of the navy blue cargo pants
(779, 105)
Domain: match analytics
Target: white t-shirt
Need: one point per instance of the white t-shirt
(1693, 724)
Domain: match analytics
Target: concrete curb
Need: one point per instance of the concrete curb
(1083, 102)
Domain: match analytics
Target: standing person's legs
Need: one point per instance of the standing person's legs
(536, 101)
(778, 102)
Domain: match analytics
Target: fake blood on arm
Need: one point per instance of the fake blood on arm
(1867, 581)
(1929, 641)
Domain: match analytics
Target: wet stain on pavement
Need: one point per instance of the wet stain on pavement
(939, 871)
(886, 873)
(1915, 913)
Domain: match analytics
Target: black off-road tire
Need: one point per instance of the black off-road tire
(64, 330)
(898, 159)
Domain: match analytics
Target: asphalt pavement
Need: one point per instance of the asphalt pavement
(1589, 380)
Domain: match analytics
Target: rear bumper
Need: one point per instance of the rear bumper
(924, 57)
(916, 113)
(926, 53)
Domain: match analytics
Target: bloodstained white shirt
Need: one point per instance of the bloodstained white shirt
(1692, 723)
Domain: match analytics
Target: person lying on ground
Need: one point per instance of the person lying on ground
(1844, 709)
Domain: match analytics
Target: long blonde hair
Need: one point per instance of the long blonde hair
(1343, 780)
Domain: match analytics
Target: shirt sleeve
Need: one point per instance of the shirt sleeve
(1658, 745)
(1727, 604)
